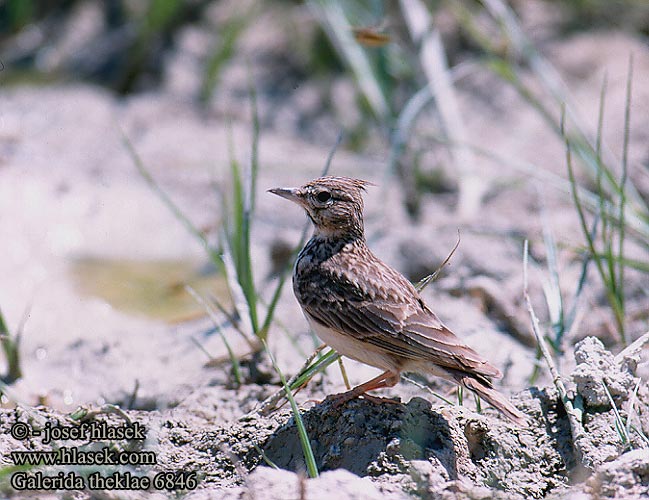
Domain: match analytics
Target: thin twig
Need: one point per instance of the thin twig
(633, 349)
(209, 309)
(428, 389)
(574, 416)
(332, 152)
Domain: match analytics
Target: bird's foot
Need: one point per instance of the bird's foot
(338, 400)
(380, 400)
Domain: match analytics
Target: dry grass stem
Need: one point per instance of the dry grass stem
(633, 348)
(574, 415)
(433, 61)
(432, 277)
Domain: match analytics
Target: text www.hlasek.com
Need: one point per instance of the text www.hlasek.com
(74, 456)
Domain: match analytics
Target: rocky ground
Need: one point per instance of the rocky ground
(81, 231)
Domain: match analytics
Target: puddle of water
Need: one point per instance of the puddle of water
(155, 288)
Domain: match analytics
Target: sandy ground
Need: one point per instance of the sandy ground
(69, 192)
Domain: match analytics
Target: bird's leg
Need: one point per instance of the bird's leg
(386, 379)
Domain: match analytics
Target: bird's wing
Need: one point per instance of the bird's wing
(395, 319)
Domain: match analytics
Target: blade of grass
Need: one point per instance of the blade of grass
(600, 166)
(435, 66)
(236, 291)
(309, 458)
(428, 389)
(402, 132)
(254, 153)
(635, 222)
(237, 233)
(572, 312)
(636, 211)
(623, 181)
(306, 373)
(553, 295)
(264, 457)
(214, 256)
(619, 423)
(220, 54)
(234, 361)
(344, 373)
(432, 277)
(607, 279)
(553, 84)
(478, 403)
(312, 370)
(632, 401)
(11, 347)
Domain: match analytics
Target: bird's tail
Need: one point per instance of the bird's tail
(483, 389)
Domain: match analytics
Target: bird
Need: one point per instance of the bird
(366, 310)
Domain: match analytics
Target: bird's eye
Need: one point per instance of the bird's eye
(323, 196)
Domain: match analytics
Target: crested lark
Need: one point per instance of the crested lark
(366, 310)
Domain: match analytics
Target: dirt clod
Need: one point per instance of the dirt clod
(625, 477)
(597, 372)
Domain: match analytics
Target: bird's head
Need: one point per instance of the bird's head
(334, 204)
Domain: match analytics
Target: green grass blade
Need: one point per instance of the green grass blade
(11, 347)
(214, 256)
(264, 457)
(249, 195)
(234, 361)
(632, 401)
(635, 264)
(623, 181)
(254, 156)
(619, 423)
(583, 275)
(235, 226)
(554, 297)
(238, 233)
(220, 54)
(607, 278)
(598, 152)
(309, 458)
(552, 85)
(318, 366)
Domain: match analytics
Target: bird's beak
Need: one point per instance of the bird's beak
(291, 194)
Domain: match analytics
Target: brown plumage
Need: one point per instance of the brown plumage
(366, 310)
